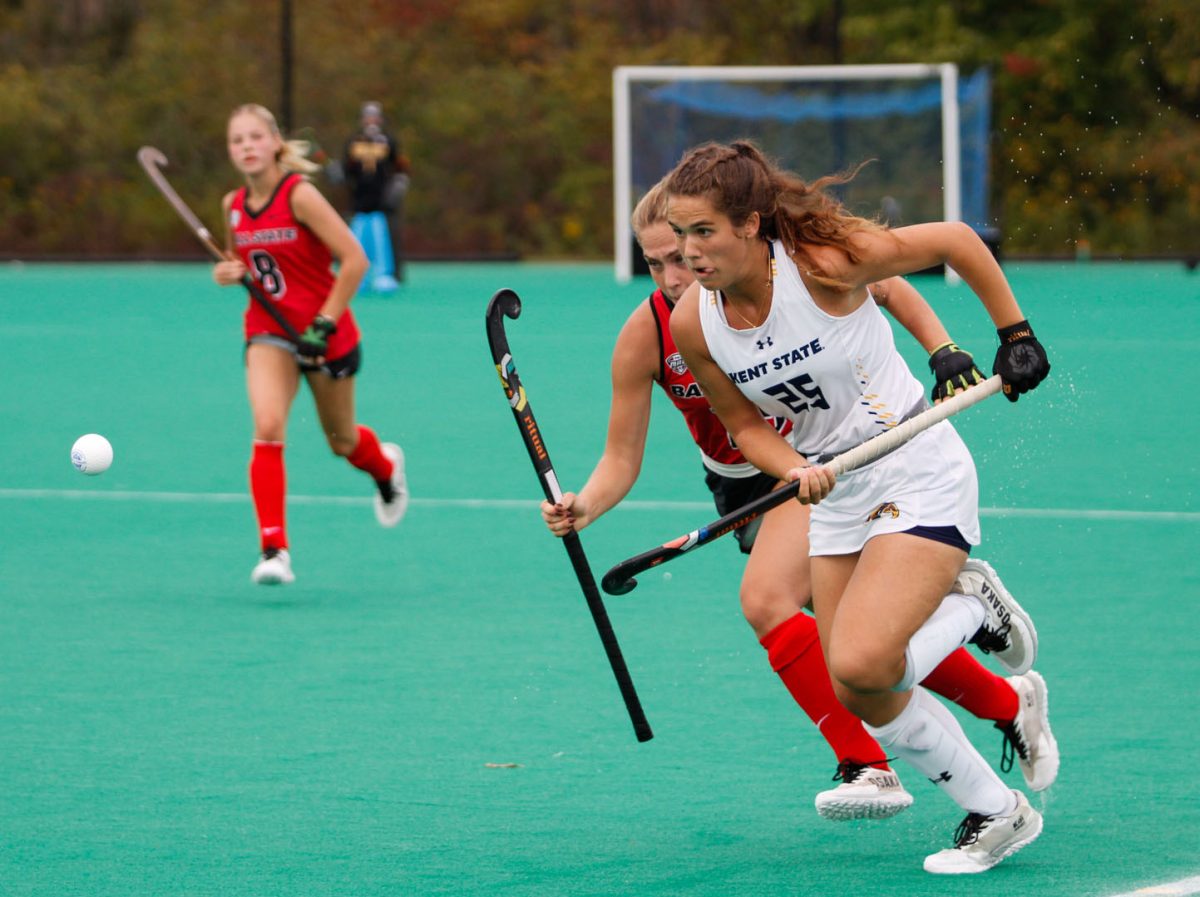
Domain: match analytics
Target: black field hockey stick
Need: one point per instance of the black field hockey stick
(153, 161)
(506, 302)
(620, 579)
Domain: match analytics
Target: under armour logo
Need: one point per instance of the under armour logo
(764, 342)
(1023, 358)
(944, 777)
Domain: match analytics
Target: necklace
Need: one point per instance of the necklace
(772, 272)
(733, 308)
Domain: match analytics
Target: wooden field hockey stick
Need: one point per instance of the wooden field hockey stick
(620, 579)
(506, 302)
(153, 161)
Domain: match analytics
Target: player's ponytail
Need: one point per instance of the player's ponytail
(294, 157)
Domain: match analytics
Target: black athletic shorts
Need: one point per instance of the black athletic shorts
(338, 368)
(730, 493)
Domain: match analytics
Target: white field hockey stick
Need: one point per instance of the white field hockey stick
(152, 161)
(620, 579)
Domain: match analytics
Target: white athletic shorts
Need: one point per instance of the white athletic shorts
(929, 481)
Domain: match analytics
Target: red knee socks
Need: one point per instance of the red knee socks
(794, 651)
(268, 485)
(965, 681)
(368, 455)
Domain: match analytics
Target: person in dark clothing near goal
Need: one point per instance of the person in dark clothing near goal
(376, 175)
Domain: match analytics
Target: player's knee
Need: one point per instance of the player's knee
(768, 596)
(769, 600)
(340, 446)
(270, 428)
(863, 669)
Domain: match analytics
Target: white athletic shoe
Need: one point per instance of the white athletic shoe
(1028, 736)
(983, 841)
(273, 569)
(865, 793)
(1007, 631)
(392, 500)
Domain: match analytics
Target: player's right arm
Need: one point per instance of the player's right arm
(635, 363)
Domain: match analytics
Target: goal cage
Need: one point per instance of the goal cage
(925, 130)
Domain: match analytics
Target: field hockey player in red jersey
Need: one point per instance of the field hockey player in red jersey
(776, 585)
(287, 235)
(894, 589)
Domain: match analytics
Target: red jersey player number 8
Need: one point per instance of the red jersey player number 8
(268, 274)
(283, 233)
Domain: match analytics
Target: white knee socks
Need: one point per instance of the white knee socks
(928, 737)
(947, 629)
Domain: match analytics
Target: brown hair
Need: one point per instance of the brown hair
(739, 180)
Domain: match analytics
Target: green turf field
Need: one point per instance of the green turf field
(428, 711)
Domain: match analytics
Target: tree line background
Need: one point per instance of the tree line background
(504, 107)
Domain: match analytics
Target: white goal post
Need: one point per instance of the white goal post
(626, 77)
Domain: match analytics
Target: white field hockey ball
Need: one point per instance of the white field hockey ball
(91, 454)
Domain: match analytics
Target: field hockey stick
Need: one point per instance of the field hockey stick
(153, 161)
(506, 302)
(620, 579)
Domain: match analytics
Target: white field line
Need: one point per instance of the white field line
(101, 494)
(1180, 888)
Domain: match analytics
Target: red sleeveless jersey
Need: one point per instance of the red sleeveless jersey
(290, 264)
(683, 390)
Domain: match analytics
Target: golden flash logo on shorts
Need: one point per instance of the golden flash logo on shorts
(886, 508)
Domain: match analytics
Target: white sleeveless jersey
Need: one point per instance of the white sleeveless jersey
(839, 380)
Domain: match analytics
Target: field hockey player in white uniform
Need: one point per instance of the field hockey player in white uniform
(780, 319)
(775, 588)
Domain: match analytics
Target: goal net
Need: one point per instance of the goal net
(926, 131)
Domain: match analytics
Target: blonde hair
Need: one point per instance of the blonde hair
(650, 210)
(739, 180)
(293, 156)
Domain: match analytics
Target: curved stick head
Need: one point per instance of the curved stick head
(615, 585)
(149, 155)
(505, 301)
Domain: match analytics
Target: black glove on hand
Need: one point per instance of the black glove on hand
(1020, 361)
(314, 341)
(953, 369)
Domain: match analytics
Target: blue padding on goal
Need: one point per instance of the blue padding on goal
(747, 102)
